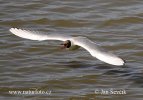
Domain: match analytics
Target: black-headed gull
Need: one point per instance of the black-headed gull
(72, 43)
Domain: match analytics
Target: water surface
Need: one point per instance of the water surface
(71, 75)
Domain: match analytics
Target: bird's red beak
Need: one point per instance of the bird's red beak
(62, 46)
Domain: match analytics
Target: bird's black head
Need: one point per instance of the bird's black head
(66, 44)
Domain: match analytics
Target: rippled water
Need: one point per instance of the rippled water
(71, 75)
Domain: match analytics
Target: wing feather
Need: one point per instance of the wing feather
(34, 35)
(95, 51)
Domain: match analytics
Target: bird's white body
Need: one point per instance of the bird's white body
(73, 47)
(76, 42)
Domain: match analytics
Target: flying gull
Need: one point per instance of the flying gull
(72, 43)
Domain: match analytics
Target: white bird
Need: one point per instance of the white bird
(72, 43)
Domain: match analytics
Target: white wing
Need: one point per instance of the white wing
(33, 35)
(96, 52)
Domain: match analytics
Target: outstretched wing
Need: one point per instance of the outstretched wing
(94, 50)
(34, 35)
